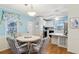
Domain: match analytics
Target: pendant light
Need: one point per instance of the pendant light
(31, 12)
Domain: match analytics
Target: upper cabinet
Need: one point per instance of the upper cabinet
(49, 23)
(57, 23)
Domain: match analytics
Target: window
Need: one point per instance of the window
(59, 24)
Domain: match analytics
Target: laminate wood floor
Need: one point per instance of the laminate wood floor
(50, 49)
(8, 51)
(54, 49)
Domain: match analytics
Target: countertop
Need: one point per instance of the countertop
(58, 34)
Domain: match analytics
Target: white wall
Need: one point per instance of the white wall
(3, 44)
(73, 34)
(38, 25)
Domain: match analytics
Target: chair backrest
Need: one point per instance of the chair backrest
(13, 44)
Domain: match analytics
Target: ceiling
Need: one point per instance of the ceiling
(43, 10)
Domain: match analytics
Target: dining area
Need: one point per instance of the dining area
(21, 35)
(26, 44)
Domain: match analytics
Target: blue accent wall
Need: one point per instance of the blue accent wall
(2, 26)
(24, 19)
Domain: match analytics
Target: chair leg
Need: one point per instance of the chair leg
(30, 48)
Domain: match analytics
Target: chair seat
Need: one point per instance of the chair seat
(22, 50)
(36, 48)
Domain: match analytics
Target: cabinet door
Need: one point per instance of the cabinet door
(54, 40)
(63, 42)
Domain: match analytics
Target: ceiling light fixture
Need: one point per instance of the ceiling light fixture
(56, 18)
(31, 12)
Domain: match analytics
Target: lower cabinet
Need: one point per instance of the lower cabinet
(60, 41)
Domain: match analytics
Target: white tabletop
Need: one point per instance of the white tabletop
(28, 39)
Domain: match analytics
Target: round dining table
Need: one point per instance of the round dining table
(29, 40)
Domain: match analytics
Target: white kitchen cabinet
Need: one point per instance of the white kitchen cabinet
(59, 39)
(54, 40)
(63, 42)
